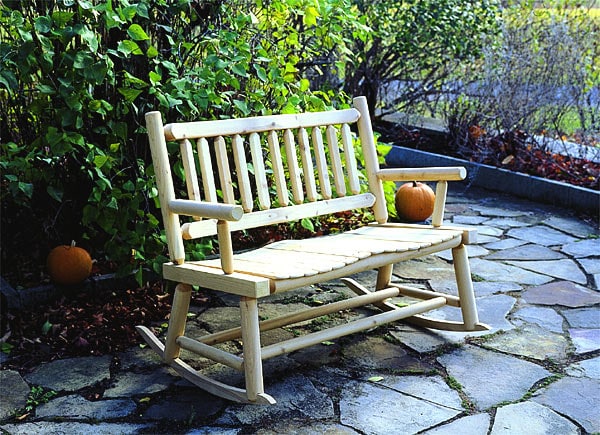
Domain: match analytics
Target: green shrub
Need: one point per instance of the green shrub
(414, 48)
(538, 75)
(77, 77)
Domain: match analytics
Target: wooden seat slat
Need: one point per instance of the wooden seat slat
(346, 244)
(267, 269)
(420, 236)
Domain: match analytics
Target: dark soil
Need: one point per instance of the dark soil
(515, 151)
(83, 324)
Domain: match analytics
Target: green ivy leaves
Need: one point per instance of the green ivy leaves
(76, 78)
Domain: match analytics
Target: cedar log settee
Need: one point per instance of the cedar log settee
(283, 168)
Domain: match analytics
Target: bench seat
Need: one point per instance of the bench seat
(313, 260)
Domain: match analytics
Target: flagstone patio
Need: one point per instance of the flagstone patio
(537, 371)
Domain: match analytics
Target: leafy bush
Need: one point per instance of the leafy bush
(541, 73)
(76, 78)
(414, 48)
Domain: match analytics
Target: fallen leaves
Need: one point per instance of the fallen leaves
(85, 324)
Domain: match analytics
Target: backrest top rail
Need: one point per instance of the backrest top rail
(258, 124)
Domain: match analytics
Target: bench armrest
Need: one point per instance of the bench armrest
(441, 175)
(209, 210)
(451, 173)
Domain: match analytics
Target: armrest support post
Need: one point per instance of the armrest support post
(225, 246)
(441, 190)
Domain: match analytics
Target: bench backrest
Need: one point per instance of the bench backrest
(278, 168)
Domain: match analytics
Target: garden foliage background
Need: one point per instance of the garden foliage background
(77, 76)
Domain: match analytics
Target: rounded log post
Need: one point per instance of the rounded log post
(179, 310)
(465, 287)
(384, 276)
(251, 345)
(441, 190)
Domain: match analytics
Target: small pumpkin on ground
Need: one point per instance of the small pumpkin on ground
(414, 201)
(69, 264)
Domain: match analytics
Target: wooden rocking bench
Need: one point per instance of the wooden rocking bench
(283, 168)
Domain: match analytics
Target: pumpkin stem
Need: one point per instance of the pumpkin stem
(73, 243)
(414, 184)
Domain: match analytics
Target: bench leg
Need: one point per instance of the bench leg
(384, 276)
(251, 344)
(179, 310)
(465, 287)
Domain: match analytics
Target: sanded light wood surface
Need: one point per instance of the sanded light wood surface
(308, 257)
(189, 166)
(291, 153)
(227, 127)
(206, 169)
(205, 228)
(350, 328)
(422, 174)
(285, 168)
(241, 167)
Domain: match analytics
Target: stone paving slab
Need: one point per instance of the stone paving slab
(433, 389)
(563, 293)
(507, 243)
(541, 236)
(184, 405)
(582, 317)
(76, 407)
(562, 269)
(590, 266)
(493, 311)
(546, 318)
(532, 419)
(73, 428)
(135, 384)
(573, 227)
(585, 340)
(490, 378)
(589, 368)
(576, 398)
(583, 248)
(374, 410)
(477, 424)
(297, 398)
(526, 252)
(71, 374)
(530, 341)
(14, 393)
(488, 270)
